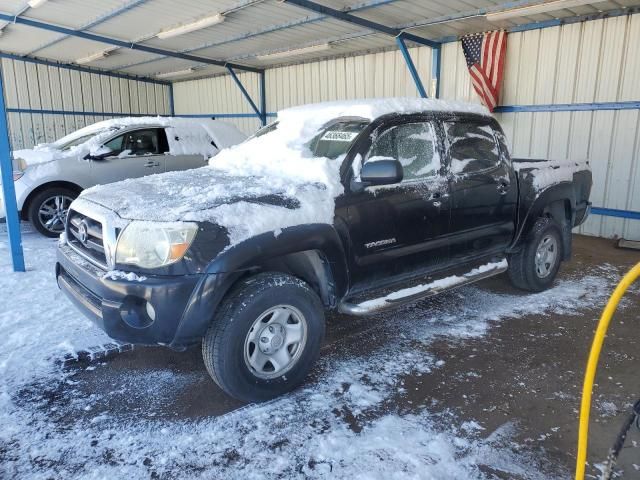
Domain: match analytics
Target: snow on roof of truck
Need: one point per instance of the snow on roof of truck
(373, 108)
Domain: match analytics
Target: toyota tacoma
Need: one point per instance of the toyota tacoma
(355, 207)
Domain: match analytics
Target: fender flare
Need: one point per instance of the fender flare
(533, 205)
(235, 262)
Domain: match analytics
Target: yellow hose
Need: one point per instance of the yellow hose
(592, 364)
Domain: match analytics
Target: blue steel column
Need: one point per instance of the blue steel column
(263, 98)
(244, 92)
(436, 62)
(411, 66)
(8, 189)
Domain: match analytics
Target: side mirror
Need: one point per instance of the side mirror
(381, 171)
(99, 154)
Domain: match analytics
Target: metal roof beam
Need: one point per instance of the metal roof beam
(349, 18)
(120, 43)
(270, 29)
(108, 16)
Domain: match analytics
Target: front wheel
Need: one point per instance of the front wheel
(536, 265)
(265, 338)
(48, 210)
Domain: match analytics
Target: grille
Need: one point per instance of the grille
(85, 236)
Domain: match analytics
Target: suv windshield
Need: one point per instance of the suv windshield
(65, 143)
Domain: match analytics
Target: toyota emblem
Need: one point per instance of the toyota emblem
(83, 235)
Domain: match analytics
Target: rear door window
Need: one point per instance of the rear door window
(472, 147)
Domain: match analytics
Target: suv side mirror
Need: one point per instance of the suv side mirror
(381, 171)
(99, 154)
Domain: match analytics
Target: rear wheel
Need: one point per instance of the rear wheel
(48, 210)
(536, 265)
(266, 337)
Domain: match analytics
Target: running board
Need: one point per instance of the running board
(420, 292)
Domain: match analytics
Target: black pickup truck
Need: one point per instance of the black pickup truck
(355, 207)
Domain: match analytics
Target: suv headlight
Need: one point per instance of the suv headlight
(154, 244)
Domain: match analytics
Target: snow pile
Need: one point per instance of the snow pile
(185, 137)
(550, 172)
(120, 275)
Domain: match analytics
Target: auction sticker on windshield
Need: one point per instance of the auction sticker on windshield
(336, 136)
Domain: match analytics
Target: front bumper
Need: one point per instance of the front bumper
(118, 306)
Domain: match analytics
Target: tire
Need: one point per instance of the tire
(529, 272)
(56, 201)
(241, 337)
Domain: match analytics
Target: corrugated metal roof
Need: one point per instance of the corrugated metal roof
(251, 28)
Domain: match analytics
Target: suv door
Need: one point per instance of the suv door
(185, 161)
(399, 229)
(135, 153)
(483, 188)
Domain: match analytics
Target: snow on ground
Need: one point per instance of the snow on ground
(342, 424)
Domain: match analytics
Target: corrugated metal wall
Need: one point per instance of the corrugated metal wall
(596, 61)
(375, 75)
(219, 95)
(42, 87)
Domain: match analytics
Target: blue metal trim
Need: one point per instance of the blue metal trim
(412, 68)
(244, 91)
(172, 106)
(218, 115)
(632, 105)
(569, 107)
(119, 43)
(436, 68)
(612, 212)
(114, 13)
(8, 190)
(263, 99)
(77, 68)
(363, 22)
(76, 112)
(556, 22)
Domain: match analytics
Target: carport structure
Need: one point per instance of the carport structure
(570, 87)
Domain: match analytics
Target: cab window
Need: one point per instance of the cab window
(414, 145)
(472, 147)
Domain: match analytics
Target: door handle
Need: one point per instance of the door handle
(503, 188)
(152, 164)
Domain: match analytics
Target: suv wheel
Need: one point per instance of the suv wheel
(536, 265)
(48, 210)
(265, 338)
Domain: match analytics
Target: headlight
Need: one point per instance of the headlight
(154, 244)
(17, 175)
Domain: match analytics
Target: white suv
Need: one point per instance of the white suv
(49, 177)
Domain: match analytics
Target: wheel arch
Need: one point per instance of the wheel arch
(24, 211)
(313, 253)
(556, 202)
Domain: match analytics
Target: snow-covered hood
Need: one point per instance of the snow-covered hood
(246, 205)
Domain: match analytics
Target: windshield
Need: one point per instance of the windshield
(71, 140)
(332, 141)
(75, 142)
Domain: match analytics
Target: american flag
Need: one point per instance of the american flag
(485, 59)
